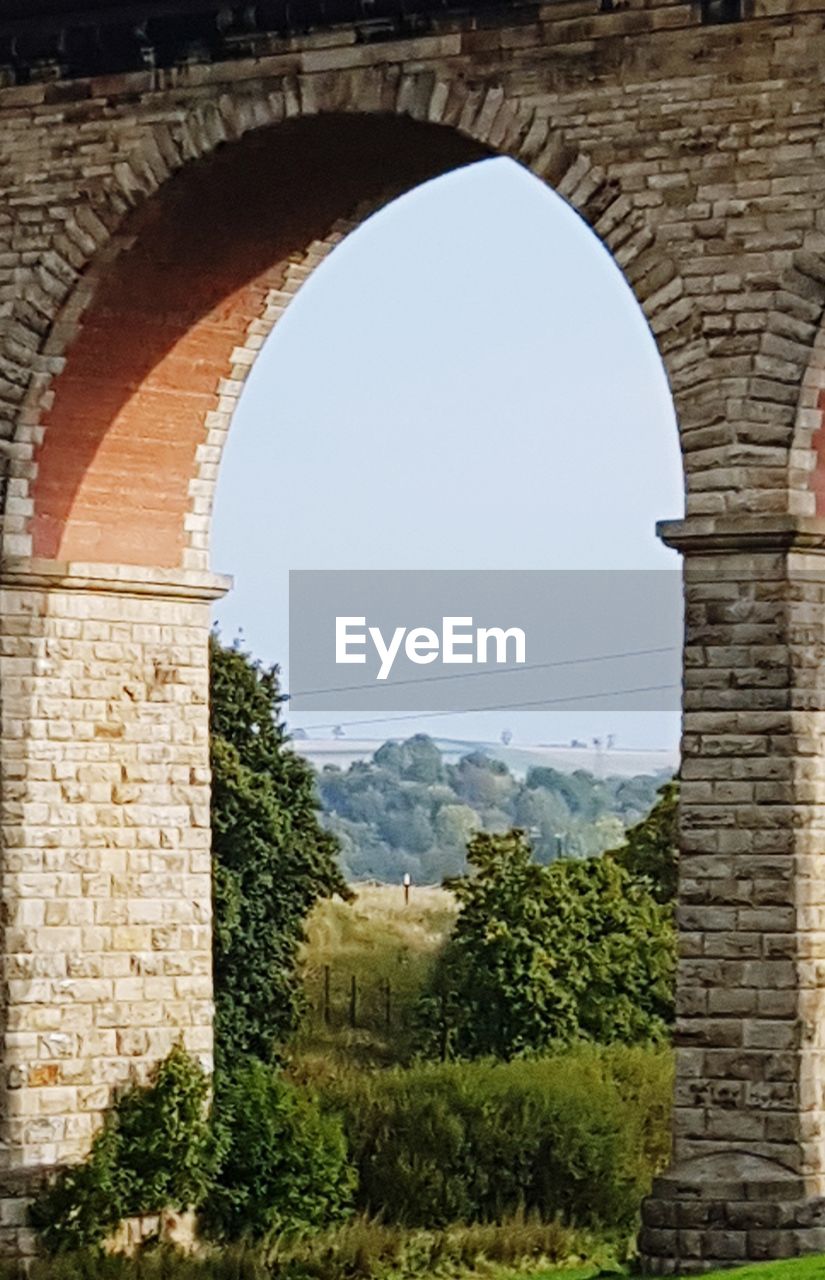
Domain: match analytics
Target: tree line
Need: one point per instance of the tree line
(407, 811)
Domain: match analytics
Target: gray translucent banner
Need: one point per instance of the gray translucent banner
(476, 640)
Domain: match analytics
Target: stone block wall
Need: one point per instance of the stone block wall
(105, 886)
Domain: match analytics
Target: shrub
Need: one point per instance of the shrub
(284, 1165)
(579, 1135)
(540, 955)
(155, 1151)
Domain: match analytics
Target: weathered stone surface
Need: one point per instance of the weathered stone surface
(155, 222)
(106, 867)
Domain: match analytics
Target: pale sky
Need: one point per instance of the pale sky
(467, 382)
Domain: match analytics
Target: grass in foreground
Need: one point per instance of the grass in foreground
(808, 1268)
(812, 1268)
(368, 1251)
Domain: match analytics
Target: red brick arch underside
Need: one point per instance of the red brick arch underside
(154, 353)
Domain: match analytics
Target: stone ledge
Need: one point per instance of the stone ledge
(22, 572)
(725, 534)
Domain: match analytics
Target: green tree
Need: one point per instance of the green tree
(544, 954)
(651, 849)
(416, 760)
(272, 860)
(455, 825)
(284, 1165)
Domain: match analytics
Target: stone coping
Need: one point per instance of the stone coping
(746, 533)
(127, 580)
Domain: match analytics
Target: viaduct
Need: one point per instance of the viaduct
(171, 171)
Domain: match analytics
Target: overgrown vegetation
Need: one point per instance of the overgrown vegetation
(265, 1160)
(547, 955)
(156, 1150)
(408, 811)
(284, 1163)
(578, 1135)
(272, 860)
(360, 1249)
(370, 1251)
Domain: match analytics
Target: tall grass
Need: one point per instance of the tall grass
(377, 940)
(360, 1250)
(578, 1135)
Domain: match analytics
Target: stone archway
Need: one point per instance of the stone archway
(161, 292)
(106, 584)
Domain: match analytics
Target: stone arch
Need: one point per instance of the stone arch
(104, 760)
(106, 228)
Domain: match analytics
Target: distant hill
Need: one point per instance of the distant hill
(411, 807)
(623, 762)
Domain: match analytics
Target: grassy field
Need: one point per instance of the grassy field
(812, 1268)
(387, 949)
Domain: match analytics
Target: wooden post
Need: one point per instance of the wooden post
(445, 1031)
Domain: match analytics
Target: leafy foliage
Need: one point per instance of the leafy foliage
(284, 1164)
(267, 1159)
(651, 848)
(579, 1134)
(542, 955)
(272, 859)
(155, 1151)
(409, 811)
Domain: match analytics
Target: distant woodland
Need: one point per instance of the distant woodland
(408, 811)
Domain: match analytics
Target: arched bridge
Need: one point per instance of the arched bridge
(171, 171)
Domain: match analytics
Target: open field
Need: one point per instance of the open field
(379, 951)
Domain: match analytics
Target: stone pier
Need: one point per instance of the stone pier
(105, 886)
(748, 1173)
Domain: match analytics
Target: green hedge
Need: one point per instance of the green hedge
(579, 1134)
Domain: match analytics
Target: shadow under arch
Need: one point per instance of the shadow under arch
(154, 350)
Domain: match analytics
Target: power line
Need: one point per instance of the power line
(501, 671)
(501, 706)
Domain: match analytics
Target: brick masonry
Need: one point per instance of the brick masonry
(153, 226)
